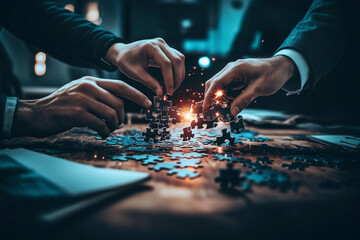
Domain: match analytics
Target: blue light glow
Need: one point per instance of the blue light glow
(204, 62)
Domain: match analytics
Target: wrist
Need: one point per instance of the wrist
(23, 119)
(114, 52)
(284, 67)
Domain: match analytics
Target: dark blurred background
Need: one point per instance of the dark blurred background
(210, 33)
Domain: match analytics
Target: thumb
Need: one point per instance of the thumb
(241, 101)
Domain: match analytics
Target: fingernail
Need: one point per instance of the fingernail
(159, 92)
(171, 91)
(148, 103)
(235, 111)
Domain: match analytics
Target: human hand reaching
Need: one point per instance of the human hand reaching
(258, 77)
(86, 102)
(133, 60)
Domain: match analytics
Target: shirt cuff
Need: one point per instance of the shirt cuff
(301, 65)
(9, 112)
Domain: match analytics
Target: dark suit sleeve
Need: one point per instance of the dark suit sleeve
(321, 36)
(58, 32)
(2, 112)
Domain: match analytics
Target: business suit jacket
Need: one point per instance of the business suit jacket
(322, 36)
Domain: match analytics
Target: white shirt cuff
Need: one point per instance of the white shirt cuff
(9, 112)
(301, 65)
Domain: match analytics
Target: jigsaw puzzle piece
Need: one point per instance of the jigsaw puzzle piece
(151, 135)
(237, 125)
(121, 157)
(195, 163)
(152, 159)
(187, 135)
(151, 112)
(162, 103)
(229, 176)
(184, 173)
(164, 165)
(226, 136)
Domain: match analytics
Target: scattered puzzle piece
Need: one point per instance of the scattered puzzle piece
(226, 136)
(184, 173)
(229, 176)
(195, 163)
(164, 165)
(152, 159)
(122, 157)
(237, 125)
(187, 135)
(177, 155)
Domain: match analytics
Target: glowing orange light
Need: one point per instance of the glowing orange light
(217, 114)
(219, 150)
(213, 59)
(219, 93)
(189, 74)
(202, 83)
(194, 67)
(201, 73)
(180, 100)
(95, 156)
(262, 40)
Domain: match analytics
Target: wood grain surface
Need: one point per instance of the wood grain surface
(172, 208)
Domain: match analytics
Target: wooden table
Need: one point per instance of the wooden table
(172, 208)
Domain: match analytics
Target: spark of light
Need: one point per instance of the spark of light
(219, 94)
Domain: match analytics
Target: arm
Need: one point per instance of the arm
(320, 37)
(75, 40)
(59, 32)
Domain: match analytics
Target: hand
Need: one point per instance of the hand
(87, 102)
(258, 77)
(134, 59)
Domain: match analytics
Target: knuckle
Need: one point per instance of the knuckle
(166, 63)
(177, 60)
(87, 78)
(84, 86)
(182, 57)
(159, 39)
(150, 45)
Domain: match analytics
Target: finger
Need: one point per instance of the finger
(121, 89)
(183, 65)
(166, 68)
(219, 81)
(107, 98)
(242, 101)
(209, 84)
(178, 64)
(208, 97)
(89, 120)
(102, 111)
